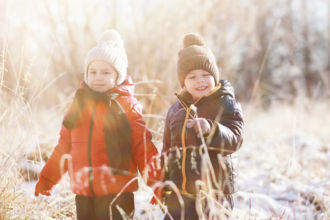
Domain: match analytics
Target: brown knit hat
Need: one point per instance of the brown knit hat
(194, 56)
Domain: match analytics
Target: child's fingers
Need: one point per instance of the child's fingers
(204, 128)
(46, 192)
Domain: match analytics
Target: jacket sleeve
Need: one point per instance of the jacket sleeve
(53, 171)
(166, 146)
(227, 133)
(144, 152)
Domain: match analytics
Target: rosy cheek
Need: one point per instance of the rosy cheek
(89, 80)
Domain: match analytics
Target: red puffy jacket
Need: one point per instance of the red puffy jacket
(75, 144)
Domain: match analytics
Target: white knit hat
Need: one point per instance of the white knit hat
(111, 49)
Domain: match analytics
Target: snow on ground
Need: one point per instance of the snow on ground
(284, 168)
(284, 164)
(143, 209)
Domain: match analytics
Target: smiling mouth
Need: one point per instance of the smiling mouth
(98, 85)
(201, 88)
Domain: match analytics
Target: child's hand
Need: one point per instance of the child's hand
(205, 126)
(43, 188)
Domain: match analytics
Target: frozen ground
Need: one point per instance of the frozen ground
(284, 164)
(143, 209)
(284, 168)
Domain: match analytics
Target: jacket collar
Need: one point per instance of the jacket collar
(221, 89)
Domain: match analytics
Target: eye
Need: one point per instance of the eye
(191, 77)
(92, 72)
(206, 74)
(107, 73)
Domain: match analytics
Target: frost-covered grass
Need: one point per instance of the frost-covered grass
(284, 162)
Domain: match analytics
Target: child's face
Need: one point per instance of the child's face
(199, 83)
(101, 76)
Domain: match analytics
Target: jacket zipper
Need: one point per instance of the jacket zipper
(183, 138)
(90, 173)
(184, 178)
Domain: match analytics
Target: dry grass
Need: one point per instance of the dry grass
(287, 142)
(43, 47)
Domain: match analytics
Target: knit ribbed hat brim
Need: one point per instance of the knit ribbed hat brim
(195, 63)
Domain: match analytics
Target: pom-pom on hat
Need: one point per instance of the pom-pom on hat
(111, 49)
(195, 55)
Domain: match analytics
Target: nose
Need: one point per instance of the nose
(99, 77)
(200, 79)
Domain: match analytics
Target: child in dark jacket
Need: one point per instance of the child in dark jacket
(203, 131)
(103, 140)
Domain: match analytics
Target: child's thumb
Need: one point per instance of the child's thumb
(191, 123)
(37, 190)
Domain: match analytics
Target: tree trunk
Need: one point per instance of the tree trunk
(306, 51)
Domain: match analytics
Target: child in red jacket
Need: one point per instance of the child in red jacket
(103, 140)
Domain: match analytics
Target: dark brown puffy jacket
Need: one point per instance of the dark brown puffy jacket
(183, 147)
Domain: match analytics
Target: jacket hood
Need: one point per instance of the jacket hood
(223, 88)
(226, 88)
(124, 89)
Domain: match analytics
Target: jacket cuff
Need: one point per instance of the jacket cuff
(48, 184)
(213, 126)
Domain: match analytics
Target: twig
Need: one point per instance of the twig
(256, 85)
(154, 116)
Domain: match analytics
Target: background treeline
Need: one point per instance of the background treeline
(269, 50)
